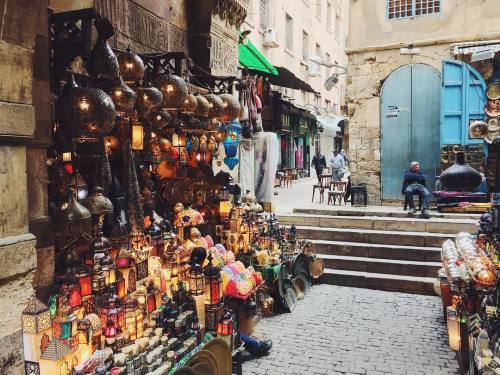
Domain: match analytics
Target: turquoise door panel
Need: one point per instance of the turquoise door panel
(462, 101)
(410, 107)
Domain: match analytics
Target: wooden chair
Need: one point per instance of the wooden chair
(338, 190)
(407, 203)
(325, 180)
(287, 178)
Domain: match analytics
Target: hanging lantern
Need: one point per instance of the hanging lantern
(98, 204)
(190, 104)
(56, 358)
(216, 106)
(214, 307)
(137, 137)
(111, 144)
(110, 332)
(123, 96)
(231, 144)
(174, 90)
(35, 317)
(203, 107)
(71, 215)
(112, 310)
(226, 329)
(85, 281)
(195, 280)
(453, 324)
(65, 325)
(134, 318)
(131, 66)
(230, 107)
(158, 119)
(148, 99)
(85, 112)
(102, 63)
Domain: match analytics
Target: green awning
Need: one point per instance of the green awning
(251, 58)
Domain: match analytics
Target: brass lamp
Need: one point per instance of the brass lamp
(203, 106)
(190, 104)
(158, 119)
(216, 106)
(231, 108)
(131, 66)
(148, 99)
(174, 90)
(123, 96)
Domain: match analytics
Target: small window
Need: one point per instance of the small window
(397, 9)
(305, 45)
(289, 31)
(328, 59)
(328, 105)
(263, 14)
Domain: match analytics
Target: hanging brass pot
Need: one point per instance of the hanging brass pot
(203, 106)
(131, 66)
(148, 99)
(158, 119)
(174, 90)
(216, 106)
(85, 112)
(231, 108)
(123, 96)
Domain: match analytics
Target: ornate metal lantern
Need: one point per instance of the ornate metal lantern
(85, 112)
(65, 325)
(35, 317)
(158, 119)
(112, 310)
(190, 104)
(231, 144)
(148, 99)
(174, 90)
(203, 106)
(231, 108)
(123, 96)
(226, 328)
(131, 66)
(214, 307)
(216, 106)
(195, 280)
(102, 63)
(134, 318)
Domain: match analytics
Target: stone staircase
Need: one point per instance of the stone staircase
(379, 250)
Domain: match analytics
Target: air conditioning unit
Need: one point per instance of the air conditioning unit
(270, 39)
(313, 69)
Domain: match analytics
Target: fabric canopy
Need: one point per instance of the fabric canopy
(251, 58)
(331, 124)
(286, 78)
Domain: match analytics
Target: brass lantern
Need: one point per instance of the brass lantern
(158, 119)
(111, 144)
(195, 280)
(85, 112)
(190, 104)
(35, 317)
(123, 96)
(216, 106)
(148, 99)
(131, 66)
(203, 106)
(214, 307)
(174, 90)
(231, 108)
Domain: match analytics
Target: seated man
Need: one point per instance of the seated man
(414, 183)
(254, 347)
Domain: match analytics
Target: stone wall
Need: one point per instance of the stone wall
(366, 74)
(25, 112)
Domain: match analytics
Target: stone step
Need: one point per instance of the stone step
(380, 251)
(385, 266)
(433, 225)
(376, 211)
(420, 239)
(393, 283)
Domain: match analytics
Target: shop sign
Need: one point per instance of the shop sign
(285, 121)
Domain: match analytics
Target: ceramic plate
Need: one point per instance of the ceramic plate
(493, 91)
(220, 349)
(206, 357)
(202, 368)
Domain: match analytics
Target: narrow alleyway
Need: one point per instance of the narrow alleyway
(342, 330)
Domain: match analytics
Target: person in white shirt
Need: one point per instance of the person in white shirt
(337, 163)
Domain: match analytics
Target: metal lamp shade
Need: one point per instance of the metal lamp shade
(35, 317)
(174, 90)
(158, 119)
(190, 104)
(103, 63)
(98, 204)
(131, 66)
(203, 106)
(231, 108)
(85, 112)
(123, 96)
(148, 99)
(216, 106)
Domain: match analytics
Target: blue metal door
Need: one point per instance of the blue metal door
(410, 107)
(462, 101)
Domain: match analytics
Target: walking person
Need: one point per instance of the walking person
(344, 155)
(337, 163)
(415, 183)
(318, 162)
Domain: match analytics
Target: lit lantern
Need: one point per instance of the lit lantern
(195, 280)
(156, 239)
(214, 307)
(134, 318)
(121, 287)
(174, 90)
(109, 271)
(453, 323)
(141, 294)
(84, 350)
(112, 310)
(137, 137)
(225, 329)
(56, 359)
(85, 281)
(110, 332)
(153, 300)
(88, 304)
(65, 325)
(224, 209)
(96, 329)
(74, 296)
(37, 331)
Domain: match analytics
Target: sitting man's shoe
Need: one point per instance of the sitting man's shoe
(265, 347)
(412, 212)
(426, 214)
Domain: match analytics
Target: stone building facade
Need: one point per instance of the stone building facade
(206, 30)
(373, 49)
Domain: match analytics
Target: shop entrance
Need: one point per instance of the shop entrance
(409, 119)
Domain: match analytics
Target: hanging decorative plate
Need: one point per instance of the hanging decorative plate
(493, 91)
(490, 137)
(493, 124)
(492, 108)
(478, 129)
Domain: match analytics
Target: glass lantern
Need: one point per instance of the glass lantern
(65, 326)
(134, 318)
(214, 307)
(195, 280)
(35, 317)
(226, 329)
(112, 310)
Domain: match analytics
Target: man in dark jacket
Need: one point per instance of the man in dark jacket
(415, 183)
(318, 162)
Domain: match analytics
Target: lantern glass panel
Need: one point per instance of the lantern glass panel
(85, 285)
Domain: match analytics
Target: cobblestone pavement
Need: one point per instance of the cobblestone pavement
(342, 330)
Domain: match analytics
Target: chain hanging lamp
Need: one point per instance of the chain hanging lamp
(216, 106)
(174, 90)
(190, 104)
(148, 99)
(158, 119)
(131, 66)
(123, 96)
(203, 107)
(102, 63)
(230, 108)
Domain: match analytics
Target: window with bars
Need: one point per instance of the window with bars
(305, 45)
(397, 9)
(289, 31)
(263, 14)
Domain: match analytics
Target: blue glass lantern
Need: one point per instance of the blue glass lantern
(231, 143)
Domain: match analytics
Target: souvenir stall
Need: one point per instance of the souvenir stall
(156, 257)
